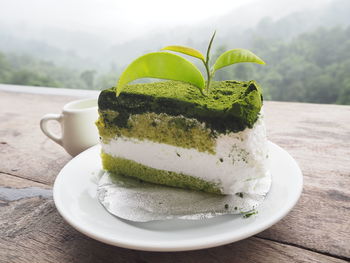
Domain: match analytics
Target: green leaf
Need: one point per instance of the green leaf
(186, 50)
(234, 56)
(161, 65)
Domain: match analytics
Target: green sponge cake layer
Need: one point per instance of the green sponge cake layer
(162, 128)
(126, 167)
(230, 105)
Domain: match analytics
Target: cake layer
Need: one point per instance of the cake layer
(163, 128)
(125, 167)
(231, 106)
(239, 161)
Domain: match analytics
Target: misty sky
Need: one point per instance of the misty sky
(109, 12)
(127, 17)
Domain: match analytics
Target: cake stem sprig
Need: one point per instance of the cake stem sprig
(206, 63)
(164, 65)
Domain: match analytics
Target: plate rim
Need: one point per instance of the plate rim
(172, 246)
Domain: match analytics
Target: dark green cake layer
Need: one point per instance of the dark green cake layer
(230, 105)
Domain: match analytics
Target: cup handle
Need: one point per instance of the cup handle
(43, 126)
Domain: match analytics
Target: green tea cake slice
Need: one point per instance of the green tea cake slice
(168, 133)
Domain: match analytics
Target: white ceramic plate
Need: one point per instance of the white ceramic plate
(75, 198)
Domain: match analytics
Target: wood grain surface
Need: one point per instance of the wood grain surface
(316, 230)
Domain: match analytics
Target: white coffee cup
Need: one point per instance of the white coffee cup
(78, 127)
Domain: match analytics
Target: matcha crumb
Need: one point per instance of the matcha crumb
(240, 194)
(249, 214)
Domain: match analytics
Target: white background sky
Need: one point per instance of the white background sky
(109, 12)
(121, 20)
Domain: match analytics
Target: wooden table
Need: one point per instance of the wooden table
(31, 230)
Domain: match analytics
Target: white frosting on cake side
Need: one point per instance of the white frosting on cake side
(241, 162)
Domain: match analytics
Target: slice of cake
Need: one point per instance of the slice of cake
(169, 133)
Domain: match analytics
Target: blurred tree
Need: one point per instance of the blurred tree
(107, 81)
(26, 77)
(311, 67)
(5, 69)
(88, 77)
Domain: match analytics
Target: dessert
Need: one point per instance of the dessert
(173, 133)
(176, 137)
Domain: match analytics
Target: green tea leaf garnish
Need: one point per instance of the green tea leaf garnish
(161, 65)
(186, 50)
(234, 56)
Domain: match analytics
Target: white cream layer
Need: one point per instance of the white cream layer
(239, 165)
